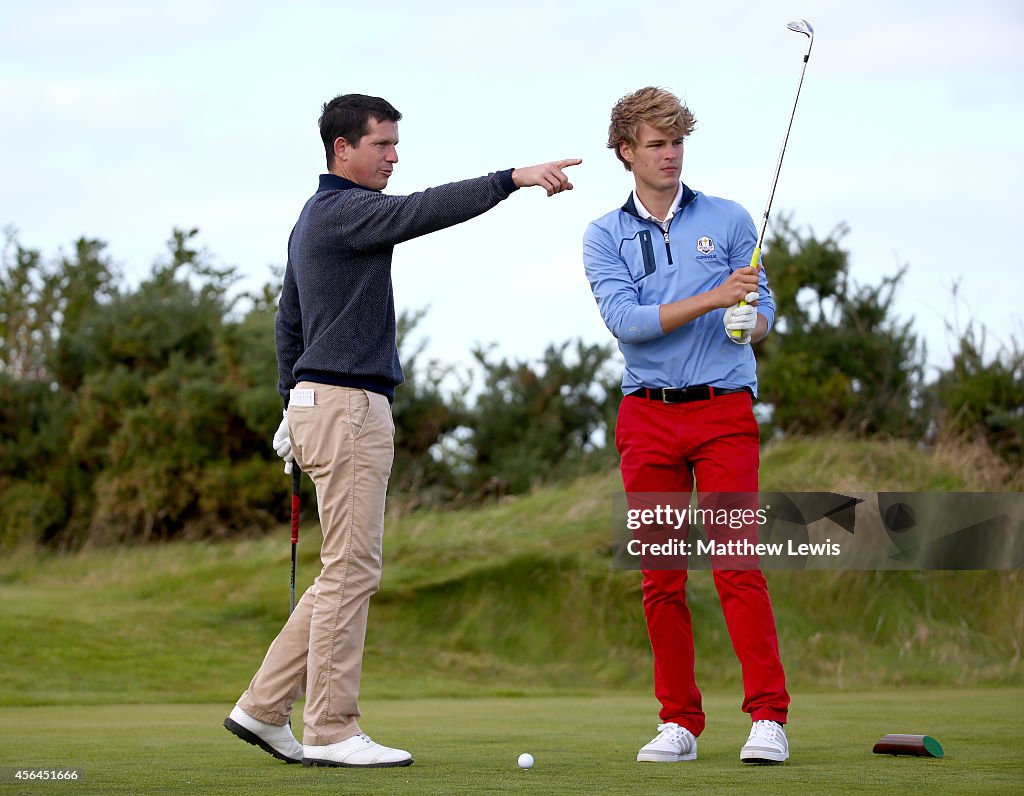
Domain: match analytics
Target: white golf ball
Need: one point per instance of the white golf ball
(526, 760)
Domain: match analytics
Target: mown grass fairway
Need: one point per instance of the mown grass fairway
(582, 745)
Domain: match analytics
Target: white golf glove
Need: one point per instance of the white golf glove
(741, 319)
(283, 444)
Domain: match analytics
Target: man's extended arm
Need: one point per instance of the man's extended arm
(372, 220)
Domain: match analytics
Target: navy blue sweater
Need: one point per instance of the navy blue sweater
(336, 316)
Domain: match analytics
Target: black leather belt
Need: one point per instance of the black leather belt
(683, 395)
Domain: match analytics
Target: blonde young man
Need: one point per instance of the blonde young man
(668, 270)
(338, 369)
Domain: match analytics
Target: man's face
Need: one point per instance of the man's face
(371, 162)
(656, 159)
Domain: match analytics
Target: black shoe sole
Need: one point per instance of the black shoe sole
(309, 763)
(249, 736)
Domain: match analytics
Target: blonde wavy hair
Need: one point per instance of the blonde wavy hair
(661, 109)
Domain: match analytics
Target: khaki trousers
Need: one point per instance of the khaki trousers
(345, 443)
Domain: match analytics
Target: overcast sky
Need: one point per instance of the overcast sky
(121, 120)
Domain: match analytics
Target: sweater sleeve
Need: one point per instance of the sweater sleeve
(372, 220)
(288, 337)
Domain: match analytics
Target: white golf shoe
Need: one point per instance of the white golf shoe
(672, 744)
(358, 751)
(766, 745)
(271, 738)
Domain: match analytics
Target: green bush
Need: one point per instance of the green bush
(28, 513)
(425, 414)
(984, 399)
(837, 359)
(531, 423)
(142, 413)
(147, 412)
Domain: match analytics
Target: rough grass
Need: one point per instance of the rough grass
(516, 597)
(841, 463)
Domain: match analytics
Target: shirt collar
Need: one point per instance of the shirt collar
(645, 213)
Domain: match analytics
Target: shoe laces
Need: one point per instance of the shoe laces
(765, 728)
(671, 730)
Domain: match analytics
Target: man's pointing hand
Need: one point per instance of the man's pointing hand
(549, 176)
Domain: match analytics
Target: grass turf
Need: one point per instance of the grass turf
(511, 600)
(582, 745)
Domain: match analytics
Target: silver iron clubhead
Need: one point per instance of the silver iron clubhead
(801, 26)
(804, 27)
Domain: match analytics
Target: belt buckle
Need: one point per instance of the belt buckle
(684, 395)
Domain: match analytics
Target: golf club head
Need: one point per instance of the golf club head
(804, 27)
(801, 26)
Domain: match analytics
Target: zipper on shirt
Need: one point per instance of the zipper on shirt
(648, 252)
(664, 234)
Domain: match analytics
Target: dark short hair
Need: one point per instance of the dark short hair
(348, 116)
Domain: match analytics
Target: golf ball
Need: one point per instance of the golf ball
(526, 760)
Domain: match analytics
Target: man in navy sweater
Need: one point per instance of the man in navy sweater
(338, 368)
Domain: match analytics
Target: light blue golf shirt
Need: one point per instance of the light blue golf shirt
(635, 265)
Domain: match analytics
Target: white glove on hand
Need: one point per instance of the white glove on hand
(283, 444)
(741, 319)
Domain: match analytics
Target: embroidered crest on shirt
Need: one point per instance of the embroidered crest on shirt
(705, 245)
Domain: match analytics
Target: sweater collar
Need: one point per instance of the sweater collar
(332, 182)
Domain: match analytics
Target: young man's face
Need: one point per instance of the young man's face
(371, 162)
(656, 159)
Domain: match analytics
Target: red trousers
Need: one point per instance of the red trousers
(663, 448)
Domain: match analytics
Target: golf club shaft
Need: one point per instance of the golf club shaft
(296, 505)
(755, 259)
(754, 262)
